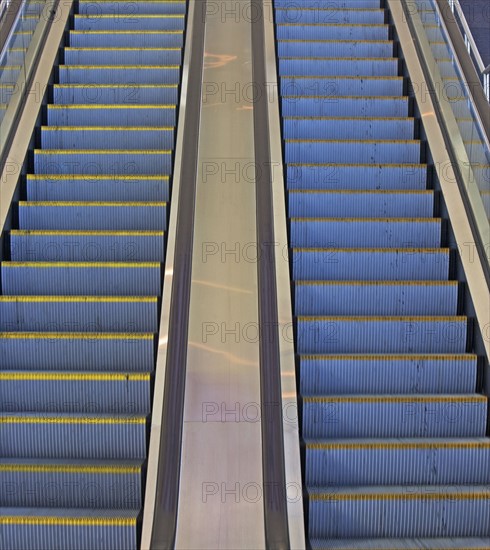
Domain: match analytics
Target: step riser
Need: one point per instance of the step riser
(381, 336)
(76, 281)
(334, 49)
(394, 419)
(335, 265)
(344, 107)
(409, 466)
(375, 300)
(361, 205)
(108, 139)
(93, 75)
(337, 86)
(93, 189)
(365, 234)
(95, 9)
(134, 23)
(103, 163)
(91, 248)
(376, 376)
(71, 490)
(123, 57)
(352, 177)
(78, 316)
(333, 16)
(113, 218)
(340, 66)
(89, 116)
(348, 129)
(129, 40)
(124, 95)
(354, 152)
(330, 32)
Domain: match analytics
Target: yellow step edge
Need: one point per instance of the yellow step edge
(102, 152)
(110, 106)
(334, 97)
(393, 357)
(120, 49)
(362, 141)
(95, 177)
(406, 495)
(343, 41)
(73, 376)
(127, 67)
(91, 265)
(352, 118)
(297, 7)
(318, 58)
(71, 420)
(359, 165)
(368, 220)
(349, 25)
(76, 336)
(119, 32)
(68, 469)
(474, 398)
(361, 192)
(78, 521)
(78, 299)
(62, 233)
(386, 318)
(342, 77)
(132, 16)
(377, 283)
(371, 250)
(400, 445)
(91, 203)
(108, 128)
(134, 86)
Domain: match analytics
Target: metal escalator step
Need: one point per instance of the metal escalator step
(376, 298)
(383, 264)
(116, 94)
(99, 161)
(360, 204)
(365, 232)
(394, 416)
(335, 48)
(385, 374)
(106, 137)
(342, 128)
(122, 56)
(331, 16)
(87, 246)
(119, 74)
(129, 38)
(397, 544)
(364, 462)
(332, 4)
(71, 484)
(369, 177)
(82, 278)
(324, 66)
(79, 313)
(136, 22)
(111, 115)
(381, 334)
(95, 9)
(368, 151)
(333, 31)
(63, 435)
(72, 350)
(109, 216)
(338, 86)
(460, 511)
(344, 106)
(83, 188)
(82, 392)
(87, 528)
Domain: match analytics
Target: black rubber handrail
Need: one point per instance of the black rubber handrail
(273, 465)
(167, 490)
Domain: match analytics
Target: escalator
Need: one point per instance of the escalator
(394, 421)
(81, 282)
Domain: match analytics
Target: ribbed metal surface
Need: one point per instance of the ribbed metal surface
(75, 484)
(338, 86)
(376, 298)
(395, 462)
(360, 204)
(387, 374)
(41, 528)
(394, 432)
(388, 416)
(78, 314)
(79, 308)
(426, 512)
(118, 187)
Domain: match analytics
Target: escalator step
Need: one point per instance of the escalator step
(95, 9)
(387, 374)
(335, 48)
(397, 544)
(344, 106)
(116, 94)
(332, 31)
(335, 15)
(339, 86)
(135, 22)
(122, 56)
(325, 66)
(128, 38)
(119, 74)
